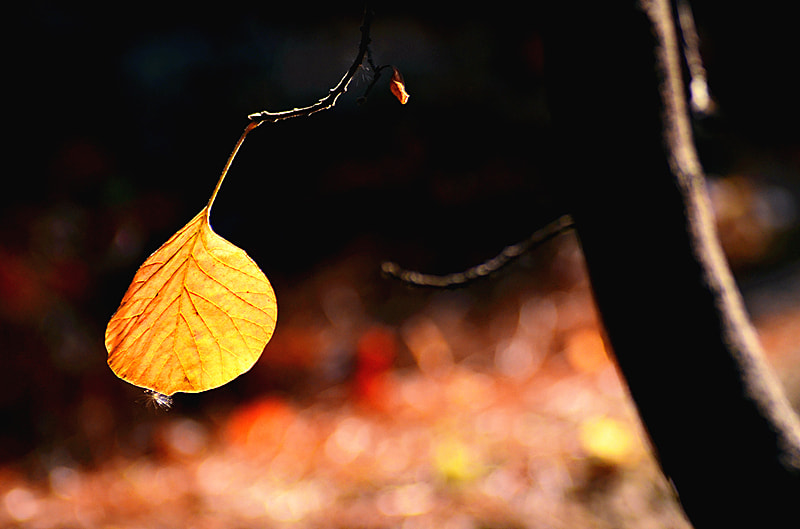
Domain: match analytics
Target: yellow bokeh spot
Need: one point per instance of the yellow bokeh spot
(611, 441)
(455, 461)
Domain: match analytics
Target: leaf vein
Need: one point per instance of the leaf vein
(229, 289)
(223, 311)
(211, 253)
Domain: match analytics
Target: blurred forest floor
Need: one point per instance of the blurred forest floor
(490, 406)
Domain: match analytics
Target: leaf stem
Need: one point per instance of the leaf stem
(250, 126)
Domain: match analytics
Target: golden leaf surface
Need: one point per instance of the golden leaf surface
(197, 315)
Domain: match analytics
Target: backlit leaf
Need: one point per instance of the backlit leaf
(197, 315)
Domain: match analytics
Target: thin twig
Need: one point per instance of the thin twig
(329, 100)
(375, 76)
(700, 98)
(506, 256)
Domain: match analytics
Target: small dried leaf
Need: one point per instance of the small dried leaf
(398, 86)
(197, 315)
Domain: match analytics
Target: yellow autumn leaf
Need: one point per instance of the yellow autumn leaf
(197, 315)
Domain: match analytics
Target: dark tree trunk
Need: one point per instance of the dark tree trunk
(719, 424)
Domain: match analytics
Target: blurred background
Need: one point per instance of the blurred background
(375, 405)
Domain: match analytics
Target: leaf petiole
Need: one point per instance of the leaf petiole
(250, 126)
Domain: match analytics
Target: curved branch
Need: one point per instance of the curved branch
(329, 100)
(506, 256)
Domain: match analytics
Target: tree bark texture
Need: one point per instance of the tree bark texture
(719, 423)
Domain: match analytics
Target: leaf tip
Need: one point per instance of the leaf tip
(158, 400)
